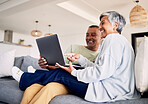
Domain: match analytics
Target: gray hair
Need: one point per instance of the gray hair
(115, 17)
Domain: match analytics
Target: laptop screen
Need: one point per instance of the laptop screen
(49, 48)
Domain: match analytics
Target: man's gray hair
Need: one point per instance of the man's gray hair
(115, 17)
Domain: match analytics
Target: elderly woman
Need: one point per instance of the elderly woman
(110, 78)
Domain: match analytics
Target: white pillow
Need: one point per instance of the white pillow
(141, 66)
(6, 63)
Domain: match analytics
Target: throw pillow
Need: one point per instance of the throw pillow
(18, 61)
(6, 63)
(141, 66)
(29, 61)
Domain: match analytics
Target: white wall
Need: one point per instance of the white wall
(65, 41)
(68, 40)
(20, 50)
(128, 30)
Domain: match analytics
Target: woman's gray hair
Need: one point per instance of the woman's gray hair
(115, 17)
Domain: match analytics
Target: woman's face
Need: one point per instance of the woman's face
(106, 27)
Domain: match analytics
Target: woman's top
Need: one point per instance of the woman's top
(111, 77)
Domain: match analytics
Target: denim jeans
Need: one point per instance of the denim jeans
(57, 75)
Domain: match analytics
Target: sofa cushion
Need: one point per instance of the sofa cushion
(141, 66)
(9, 91)
(6, 63)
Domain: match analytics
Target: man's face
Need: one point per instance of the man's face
(93, 37)
(106, 27)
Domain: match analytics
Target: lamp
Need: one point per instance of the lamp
(48, 34)
(36, 33)
(138, 16)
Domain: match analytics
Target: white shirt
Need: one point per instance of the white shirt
(111, 77)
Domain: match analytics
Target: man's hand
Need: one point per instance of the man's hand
(43, 64)
(68, 69)
(72, 57)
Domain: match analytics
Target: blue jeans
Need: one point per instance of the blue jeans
(57, 75)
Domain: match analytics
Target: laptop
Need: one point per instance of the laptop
(49, 48)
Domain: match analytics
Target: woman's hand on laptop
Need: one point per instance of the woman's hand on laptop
(72, 56)
(43, 64)
(68, 69)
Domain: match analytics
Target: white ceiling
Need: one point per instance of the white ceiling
(66, 17)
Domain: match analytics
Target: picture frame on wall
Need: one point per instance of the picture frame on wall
(136, 39)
